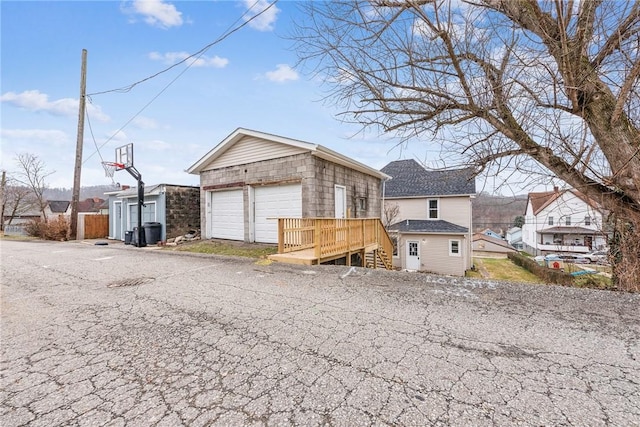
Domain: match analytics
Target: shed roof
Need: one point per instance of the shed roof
(427, 226)
(58, 206)
(487, 238)
(410, 179)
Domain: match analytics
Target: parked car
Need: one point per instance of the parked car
(598, 256)
(576, 259)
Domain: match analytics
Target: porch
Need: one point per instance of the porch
(318, 240)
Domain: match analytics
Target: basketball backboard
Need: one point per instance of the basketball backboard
(124, 155)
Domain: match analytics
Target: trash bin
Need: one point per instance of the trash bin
(152, 232)
(135, 242)
(128, 236)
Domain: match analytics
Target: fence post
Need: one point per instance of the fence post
(280, 235)
(316, 238)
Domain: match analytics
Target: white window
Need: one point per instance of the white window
(433, 209)
(454, 248)
(568, 221)
(587, 220)
(550, 220)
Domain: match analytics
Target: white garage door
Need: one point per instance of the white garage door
(227, 215)
(272, 202)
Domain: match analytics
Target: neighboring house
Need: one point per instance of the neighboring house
(92, 204)
(562, 221)
(56, 208)
(175, 207)
(491, 233)
(432, 220)
(491, 247)
(514, 237)
(252, 178)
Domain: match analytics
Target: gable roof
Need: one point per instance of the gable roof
(427, 226)
(58, 206)
(490, 239)
(410, 179)
(541, 200)
(90, 205)
(315, 149)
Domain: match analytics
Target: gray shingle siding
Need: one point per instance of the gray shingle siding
(410, 179)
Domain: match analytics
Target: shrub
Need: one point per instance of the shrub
(547, 275)
(54, 229)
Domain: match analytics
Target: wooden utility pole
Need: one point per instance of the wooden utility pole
(3, 188)
(75, 198)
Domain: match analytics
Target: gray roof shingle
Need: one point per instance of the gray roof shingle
(59, 206)
(427, 226)
(410, 179)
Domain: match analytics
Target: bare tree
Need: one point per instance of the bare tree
(390, 213)
(18, 200)
(32, 173)
(524, 88)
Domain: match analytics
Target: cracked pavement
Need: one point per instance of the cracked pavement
(106, 335)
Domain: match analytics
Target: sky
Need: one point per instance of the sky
(248, 80)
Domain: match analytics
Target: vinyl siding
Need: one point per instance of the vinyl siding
(434, 253)
(456, 210)
(251, 149)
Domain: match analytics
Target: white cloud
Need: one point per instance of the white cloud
(282, 73)
(264, 22)
(47, 135)
(158, 13)
(203, 61)
(34, 100)
(145, 123)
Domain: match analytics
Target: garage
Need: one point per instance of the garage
(227, 214)
(272, 202)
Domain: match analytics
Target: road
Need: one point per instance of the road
(114, 336)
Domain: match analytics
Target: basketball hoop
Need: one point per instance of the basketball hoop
(111, 167)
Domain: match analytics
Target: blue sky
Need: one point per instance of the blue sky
(248, 80)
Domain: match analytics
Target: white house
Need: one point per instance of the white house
(514, 237)
(562, 221)
(431, 218)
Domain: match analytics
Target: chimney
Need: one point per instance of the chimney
(555, 188)
(126, 187)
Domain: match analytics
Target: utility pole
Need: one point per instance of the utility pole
(79, 143)
(3, 187)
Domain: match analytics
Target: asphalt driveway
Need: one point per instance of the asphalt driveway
(116, 336)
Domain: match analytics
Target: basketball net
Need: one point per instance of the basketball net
(110, 168)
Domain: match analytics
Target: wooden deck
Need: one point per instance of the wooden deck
(317, 240)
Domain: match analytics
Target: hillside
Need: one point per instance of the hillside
(496, 212)
(85, 192)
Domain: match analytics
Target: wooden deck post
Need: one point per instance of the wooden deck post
(280, 235)
(316, 239)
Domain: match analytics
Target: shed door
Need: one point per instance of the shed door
(227, 214)
(272, 202)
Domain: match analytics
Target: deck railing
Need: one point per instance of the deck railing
(332, 236)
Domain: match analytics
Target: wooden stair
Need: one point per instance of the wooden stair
(378, 259)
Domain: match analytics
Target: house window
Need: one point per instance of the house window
(433, 209)
(587, 220)
(568, 221)
(550, 220)
(454, 247)
(362, 203)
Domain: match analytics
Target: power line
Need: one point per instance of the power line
(229, 31)
(198, 54)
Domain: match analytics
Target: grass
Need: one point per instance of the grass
(504, 269)
(218, 247)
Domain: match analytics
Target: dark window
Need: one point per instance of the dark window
(433, 208)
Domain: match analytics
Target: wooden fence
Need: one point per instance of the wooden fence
(96, 226)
